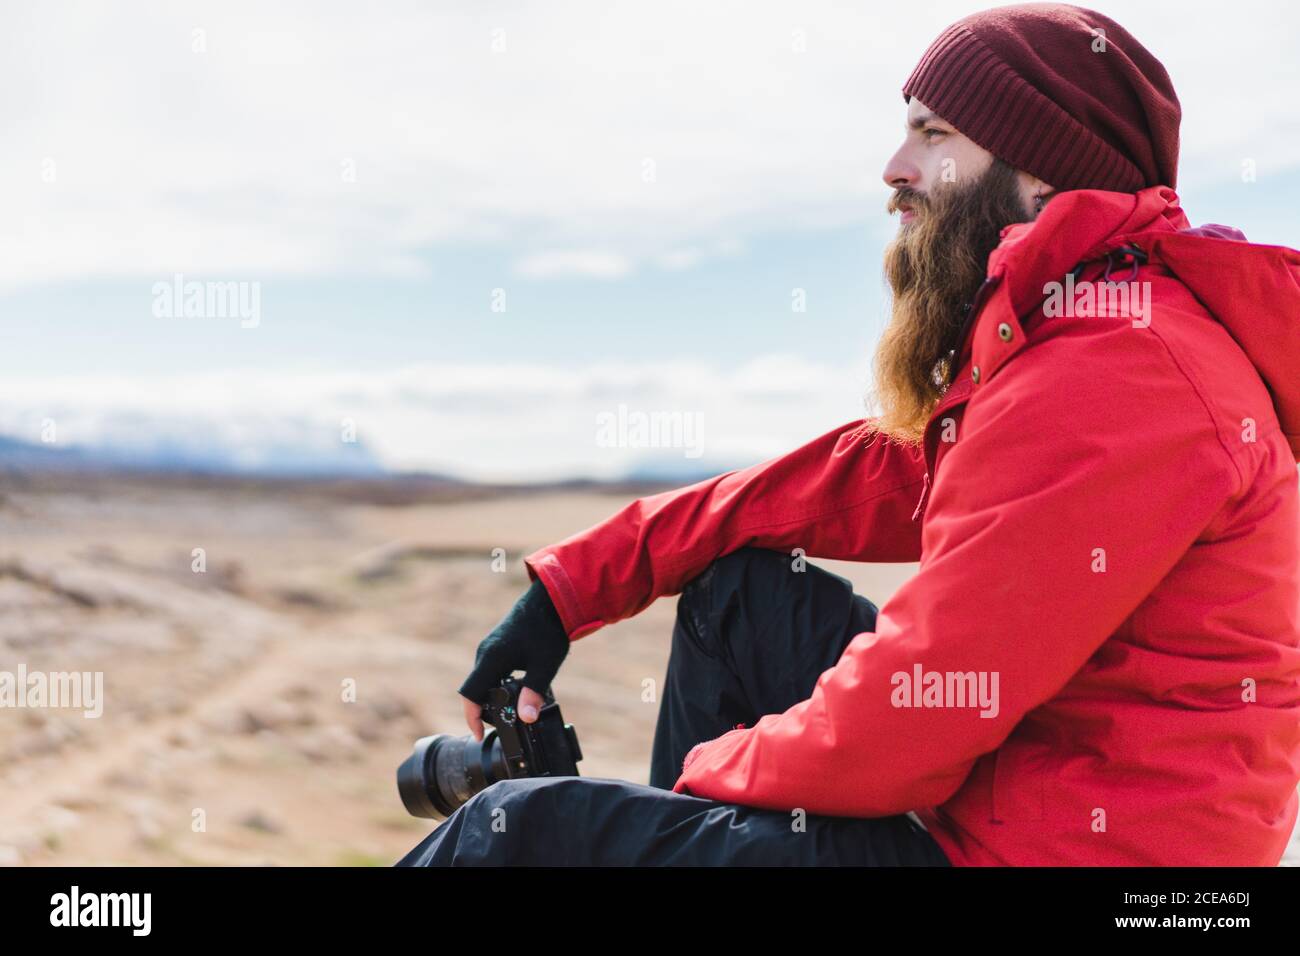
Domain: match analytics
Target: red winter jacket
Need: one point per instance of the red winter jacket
(1105, 512)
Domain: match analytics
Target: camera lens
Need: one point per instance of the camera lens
(443, 772)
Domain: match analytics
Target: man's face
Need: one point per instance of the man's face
(934, 155)
(954, 198)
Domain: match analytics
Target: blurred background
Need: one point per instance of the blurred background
(314, 314)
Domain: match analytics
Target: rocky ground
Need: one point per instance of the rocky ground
(255, 711)
(229, 732)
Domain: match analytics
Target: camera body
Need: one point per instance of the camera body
(443, 771)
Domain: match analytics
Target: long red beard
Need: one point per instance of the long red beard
(934, 267)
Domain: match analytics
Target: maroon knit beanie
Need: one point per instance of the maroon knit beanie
(1038, 88)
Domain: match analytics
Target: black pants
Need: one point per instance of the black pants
(752, 636)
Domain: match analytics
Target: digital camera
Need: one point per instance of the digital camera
(444, 771)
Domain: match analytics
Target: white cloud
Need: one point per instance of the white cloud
(592, 263)
(325, 138)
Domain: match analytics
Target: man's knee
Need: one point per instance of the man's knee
(531, 800)
(736, 570)
(723, 577)
(500, 824)
(509, 798)
(746, 591)
(557, 820)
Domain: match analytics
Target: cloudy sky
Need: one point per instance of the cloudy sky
(473, 227)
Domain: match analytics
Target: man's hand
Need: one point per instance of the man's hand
(530, 705)
(530, 638)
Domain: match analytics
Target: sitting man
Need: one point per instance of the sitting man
(1089, 429)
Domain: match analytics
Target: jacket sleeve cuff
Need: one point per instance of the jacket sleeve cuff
(680, 785)
(544, 565)
(696, 776)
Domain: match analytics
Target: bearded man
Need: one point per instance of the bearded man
(1098, 660)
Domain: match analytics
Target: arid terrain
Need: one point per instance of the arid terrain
(229, 734)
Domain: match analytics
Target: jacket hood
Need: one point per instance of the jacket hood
(1253, 290)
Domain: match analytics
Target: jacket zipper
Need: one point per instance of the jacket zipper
(972, 311)
(944, 405)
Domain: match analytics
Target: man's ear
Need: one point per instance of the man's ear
(1036, 192)
(1040, 188)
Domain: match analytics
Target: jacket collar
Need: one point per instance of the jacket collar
(1077, 226)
